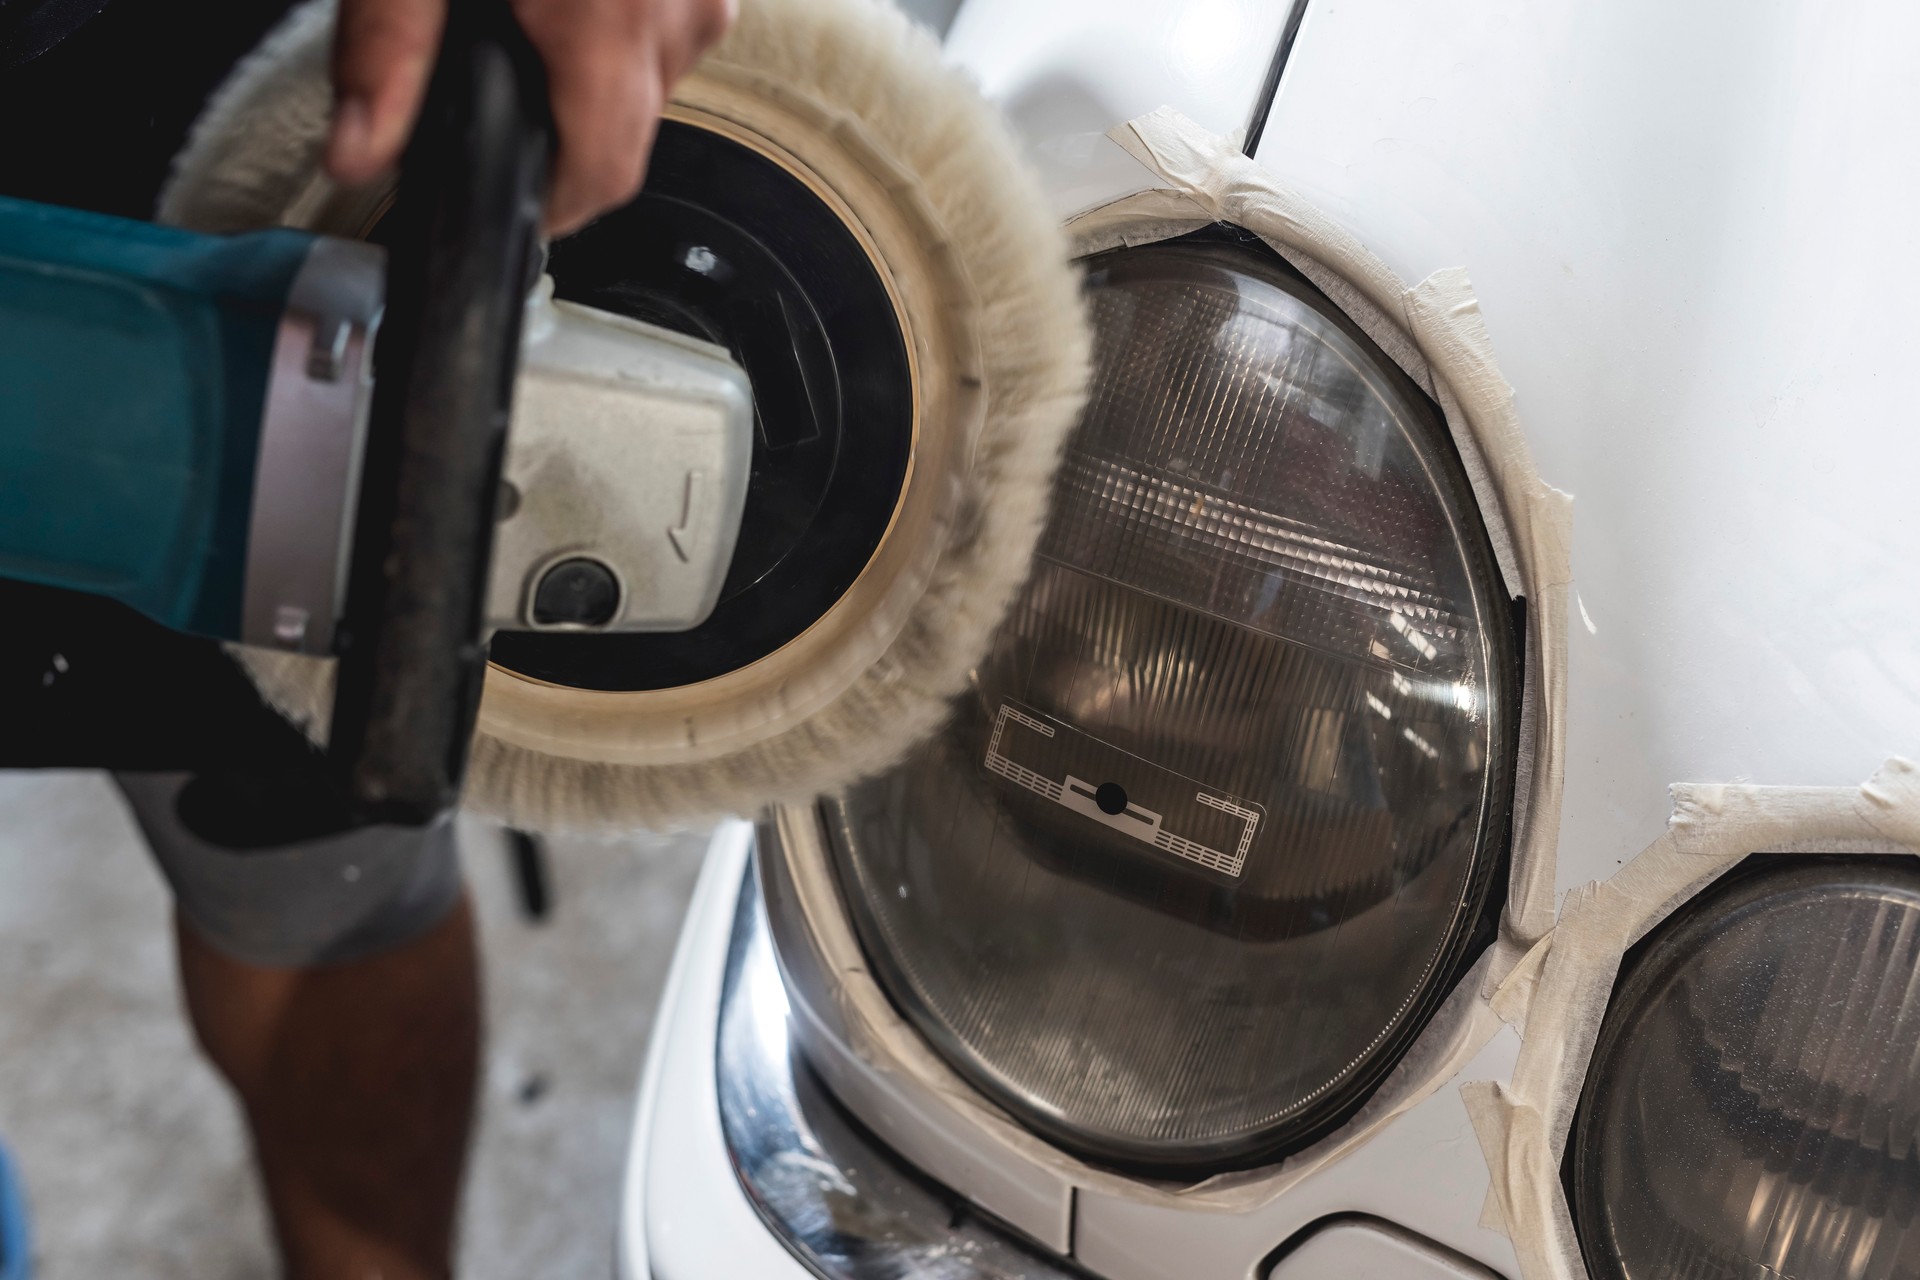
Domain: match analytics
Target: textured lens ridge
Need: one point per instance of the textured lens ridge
(1207, 834)
(1798, 1055)
(1238, 536)
(1754, 1102)
(1295, 521)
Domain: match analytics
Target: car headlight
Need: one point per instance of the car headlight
(1753, 1105)
(1214, 829)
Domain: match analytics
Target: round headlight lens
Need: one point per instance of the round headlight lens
(1753, 1107)
(1212, 832)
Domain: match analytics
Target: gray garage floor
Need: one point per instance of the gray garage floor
(135, 1163)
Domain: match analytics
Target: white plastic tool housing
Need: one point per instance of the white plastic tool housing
(630, 446)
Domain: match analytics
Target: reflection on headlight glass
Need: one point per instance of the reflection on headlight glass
(1210, 831)
(1753, 1107)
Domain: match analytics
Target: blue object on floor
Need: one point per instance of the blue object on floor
(16, 1242)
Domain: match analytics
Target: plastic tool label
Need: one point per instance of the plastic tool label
(1122, 791)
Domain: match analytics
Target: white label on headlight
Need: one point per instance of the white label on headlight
(1032, 750)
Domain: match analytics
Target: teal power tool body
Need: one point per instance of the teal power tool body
(142, 393)
(192, 426)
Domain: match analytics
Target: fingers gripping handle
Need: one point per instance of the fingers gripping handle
(463, 252)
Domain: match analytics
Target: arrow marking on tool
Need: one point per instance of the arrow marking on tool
(682, 535)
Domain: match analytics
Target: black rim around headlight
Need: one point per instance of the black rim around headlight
(1753, 1103)
(725, 244)
(1219, 823)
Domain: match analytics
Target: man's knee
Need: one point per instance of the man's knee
(324, 901)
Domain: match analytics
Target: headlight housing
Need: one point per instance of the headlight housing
(1214, 828)
(1753, 1104)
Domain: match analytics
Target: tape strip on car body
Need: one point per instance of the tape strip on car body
(1524, 1125)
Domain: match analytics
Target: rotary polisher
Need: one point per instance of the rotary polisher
(709, 505)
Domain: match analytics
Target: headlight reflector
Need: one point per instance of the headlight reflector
(1213, 829)
(1753, 1106)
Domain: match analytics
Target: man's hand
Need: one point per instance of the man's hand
(610, 66)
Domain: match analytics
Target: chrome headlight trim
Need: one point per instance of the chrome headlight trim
(877, 1065)
(842, 1204)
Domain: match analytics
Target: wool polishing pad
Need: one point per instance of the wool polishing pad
(925, 361)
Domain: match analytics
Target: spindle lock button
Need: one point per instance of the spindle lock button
(577, 592)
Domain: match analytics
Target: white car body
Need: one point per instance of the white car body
(1687, 226)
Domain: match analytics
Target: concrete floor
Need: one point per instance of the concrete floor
(134, 1161)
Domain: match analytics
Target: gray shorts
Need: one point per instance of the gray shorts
(323, 901)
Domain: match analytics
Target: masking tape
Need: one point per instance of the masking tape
(1524, 1125)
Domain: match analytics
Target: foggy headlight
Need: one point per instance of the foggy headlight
(1753, 1107)
(1214, 829)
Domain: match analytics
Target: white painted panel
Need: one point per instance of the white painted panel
(1369, 1251)
(1424, 1172)
(1066, 71)
(1690, 229)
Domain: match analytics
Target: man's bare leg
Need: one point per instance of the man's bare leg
(357, 1080)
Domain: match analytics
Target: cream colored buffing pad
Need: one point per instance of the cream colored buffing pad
(852, 100)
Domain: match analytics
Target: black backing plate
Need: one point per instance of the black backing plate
(726, 245)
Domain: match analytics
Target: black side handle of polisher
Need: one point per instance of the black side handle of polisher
(462, 254)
